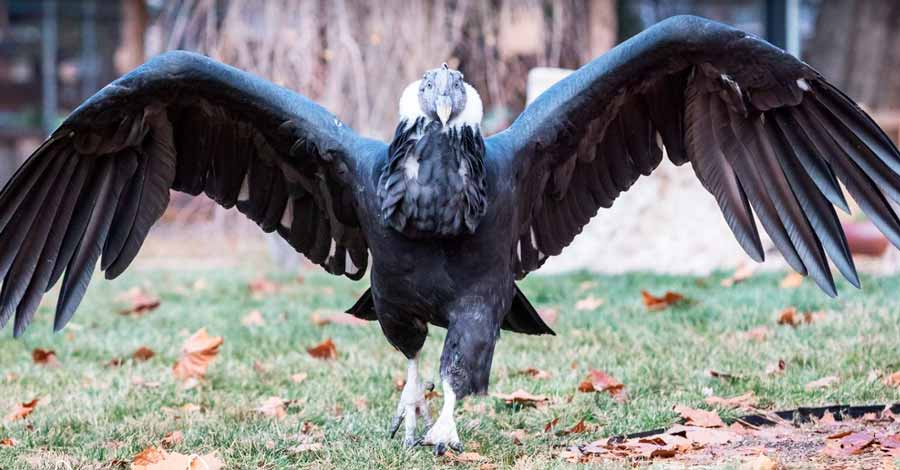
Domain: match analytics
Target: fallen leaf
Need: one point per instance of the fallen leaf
(776, 368)
(518, 436)
(254, 318)
(308, 447)
(324, 350)
(197, 353)
(44, 357)
(262, 286)
(741, 274)
(599, 381)
(587, 285)
(792, 281)
(466, 457)
(758, 334)
(760, 462)
(745, 401)
(22, 410)
(274, 407)
(889, 442)
(812, 317)
(824, 382)
(142, 354)
(578, 428)
(521, 397)
(893, 380)
(299, 377)
(139, 302)
(550, 425)
(8, 442)
(788, 317)
(851, 444)
(325, 317)
(157, 458)
(702, 418)
(536, 373)
(588, 303)
(172, 439)
(549, 315)
(659, 303)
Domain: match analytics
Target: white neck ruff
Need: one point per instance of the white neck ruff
(471, 115)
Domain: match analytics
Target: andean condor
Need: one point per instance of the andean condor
(449, 219)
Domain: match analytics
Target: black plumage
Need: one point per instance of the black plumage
(449, 218)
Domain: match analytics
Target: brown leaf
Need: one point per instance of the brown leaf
(466, 457)
(536, 373)
(8, 442)
(262, 286)
(788, 317)
(253, 318)
(22, 410)
(893, 380)
(745, 401)
(197, 353)
(824, 382)
(549, 315)
(142, 354)
(550, 425)
(274, 407)
(702, 418)
(599, 381)
(324, 350)
(760, 462)
(521, 397)
(659, 303)
(588, 303)
(812, 317)
(889, 442)
(157, 458)
(776, 368)
(741, 274)
(792, 281)
(851, 444)
(139, 302)
(172, 439)
(44, 357)
(578, 428)
(298, 377)
(326, 317)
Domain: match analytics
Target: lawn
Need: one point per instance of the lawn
(93, 415)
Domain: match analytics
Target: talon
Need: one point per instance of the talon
(440, 449)
(395, 424)
(456, 446)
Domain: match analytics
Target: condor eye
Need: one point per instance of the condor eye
(428, 85)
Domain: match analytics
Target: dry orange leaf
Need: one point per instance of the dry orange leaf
(550, 425)
(792, 281)
(702, 418)
(893, 380)
(254, 318)
(659, 303)
(599, 381)
(44, 357)
(157, 458)
(274, 407)
(324, 350)
(466, 457)
(745, 401)
(851, 444)
(741, 274)
(262, 286)
(824, 382)
(139, 302)
(578, 428)
(196, 354)
(8, 442)
(172, 439)
(788, 317)
(536, 373)
(588, 303)
(22, 410)
(521, 397)
(143, 353)
(760, 462)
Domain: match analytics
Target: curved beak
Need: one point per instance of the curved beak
(444, 107)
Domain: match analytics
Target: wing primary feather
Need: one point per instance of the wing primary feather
(733, 130)
(716, 175)
(810, 157)
(81, 267)
(19, 186)
(861, 188)
(819, 211)
(51, 252)
(34, 219)
(126, 214)
(788, 208)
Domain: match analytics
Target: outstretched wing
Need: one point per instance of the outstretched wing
(185, 122)
(764, 133)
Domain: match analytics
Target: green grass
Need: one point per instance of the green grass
(660, 356)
